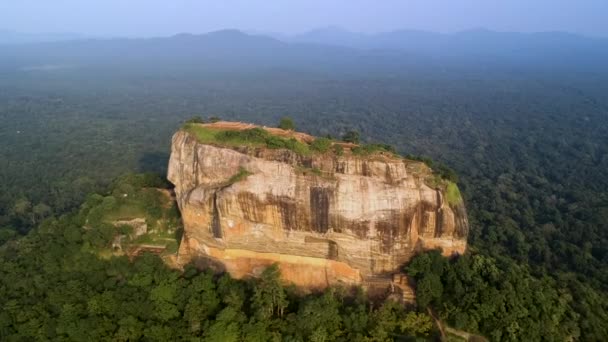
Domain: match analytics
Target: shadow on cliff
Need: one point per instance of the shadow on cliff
(155, 162)
(206, 263)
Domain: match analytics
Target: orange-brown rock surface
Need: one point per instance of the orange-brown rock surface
(323, 218)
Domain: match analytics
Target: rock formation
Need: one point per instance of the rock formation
(323, 217)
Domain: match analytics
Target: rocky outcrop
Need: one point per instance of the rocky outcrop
(323, 218)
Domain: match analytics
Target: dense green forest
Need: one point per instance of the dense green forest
(60, 283)
(66, 281)
(530, 149)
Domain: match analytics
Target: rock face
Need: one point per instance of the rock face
(323, 218)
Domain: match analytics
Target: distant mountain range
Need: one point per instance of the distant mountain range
(225, 49)
(471, 42)
(329, 48)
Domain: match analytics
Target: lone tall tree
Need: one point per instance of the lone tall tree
(287, 124)
(269, 296)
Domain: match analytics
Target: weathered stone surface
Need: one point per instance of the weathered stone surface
(359, 217)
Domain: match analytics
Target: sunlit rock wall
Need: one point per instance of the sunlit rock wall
(323, 219)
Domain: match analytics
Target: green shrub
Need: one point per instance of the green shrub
(286, 123)
(386, 148)
(365, 150)
(239, 176)
(276, 142)
(297, 147)
(92, 200)
(109, 203)
(321, 145)
(253, 135)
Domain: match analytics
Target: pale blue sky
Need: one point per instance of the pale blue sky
(156, 17)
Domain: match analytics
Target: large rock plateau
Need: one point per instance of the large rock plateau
(324, 218)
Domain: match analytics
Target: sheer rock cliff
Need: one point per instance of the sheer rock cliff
(324, 218)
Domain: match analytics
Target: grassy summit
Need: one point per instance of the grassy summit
(254, 137)
(237, 134)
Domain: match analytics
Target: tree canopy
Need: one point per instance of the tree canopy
(287, 123)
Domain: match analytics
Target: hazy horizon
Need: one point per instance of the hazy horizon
(139, 18)
(274, 34)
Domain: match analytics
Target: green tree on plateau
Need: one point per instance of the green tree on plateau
(195, 119)
(286, 123)
(351, 137)
(321, 145)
